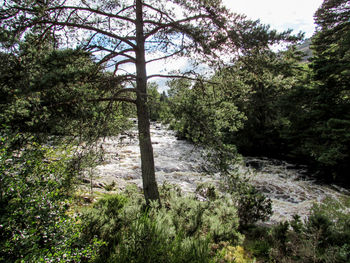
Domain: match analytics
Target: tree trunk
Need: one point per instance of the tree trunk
(150, 187)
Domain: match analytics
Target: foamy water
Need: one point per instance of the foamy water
(179, 162)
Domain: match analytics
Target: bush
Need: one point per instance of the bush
(34, 198)
(236, 254)
(180, 231)
(148, 240)
(323, 237)
(104, 221)
(251, 204)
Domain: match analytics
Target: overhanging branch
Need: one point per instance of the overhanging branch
(174, 25)
(92, 10)
(180, 77)
(87, 27)
(115, 97)
(171, 77)
(165, 57)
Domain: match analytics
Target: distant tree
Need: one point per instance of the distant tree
(267, 77)
(331, 45)
(123, 32)
(323, 124)
(246, 105)
(154, 101)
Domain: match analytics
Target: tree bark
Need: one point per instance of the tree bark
(150, 187)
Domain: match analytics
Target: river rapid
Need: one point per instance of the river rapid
(179, 162)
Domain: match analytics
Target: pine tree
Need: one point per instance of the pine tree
(327, 138)
(124, 32)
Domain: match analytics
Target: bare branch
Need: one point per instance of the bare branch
(87, 27)
(92, 10)
(171, 77)
(165, 57)
(124, 9)
(181, 77)
(114, 54)
(89, 41)
(125, 61)
(159, 11)
(175, 25)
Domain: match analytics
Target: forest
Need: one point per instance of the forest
(65, 85)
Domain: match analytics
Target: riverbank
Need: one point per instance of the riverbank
(179, 162)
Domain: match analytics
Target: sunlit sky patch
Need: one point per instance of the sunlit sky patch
(280, 14)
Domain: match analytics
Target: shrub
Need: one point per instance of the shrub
(251, 204)
(180, 231)
(323, 237)
(148, 240)
(34, 198)
(236, 254)
(104, 221)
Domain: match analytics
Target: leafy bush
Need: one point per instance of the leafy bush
(103, 221)
(34, 198)
(180, 231)
(323, 237)
(251, 204)
(236, 254)
(148, 240)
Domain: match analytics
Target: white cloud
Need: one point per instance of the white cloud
(280, 14)
(165, 67)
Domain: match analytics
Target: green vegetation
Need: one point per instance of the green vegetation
(246, 106)
(136, 33)
(183, 230)
(54, 101)
(326, 139)
(272, 104)
(323, 237)
(35, 190)
(49, 91)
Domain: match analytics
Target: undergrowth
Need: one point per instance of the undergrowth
(323, 237)
(38, 222)
(35, 187)
(184, 229)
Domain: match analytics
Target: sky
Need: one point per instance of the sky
(279, 14)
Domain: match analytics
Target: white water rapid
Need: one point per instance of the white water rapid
(179, 162)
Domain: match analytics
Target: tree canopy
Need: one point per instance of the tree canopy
(328, 143)
(54, 92)
(139, 33)
(70, 66)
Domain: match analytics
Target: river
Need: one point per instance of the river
(290, 188)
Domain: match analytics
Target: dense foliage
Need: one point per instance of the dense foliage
(326, 139)
(273, 104)
(50, 98)
(322, 237)
(245, 105)
(263, 103)
(185, 229)
(35, 189)
(56, 91)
